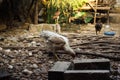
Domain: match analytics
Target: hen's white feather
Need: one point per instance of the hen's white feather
(57, 41)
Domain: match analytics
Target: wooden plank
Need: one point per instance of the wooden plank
(91, 6)
(98, 8)
(57, 71)
(101, 16)
(92, 64)
(86, 75)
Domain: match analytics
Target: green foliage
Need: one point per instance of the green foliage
(66, 8)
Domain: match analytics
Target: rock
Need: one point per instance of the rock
(30, 53)
(33, 43)
(29, 44)
(10, 67)
(37, 71)
(119, 68)
(74, 40)
(30, 36)
(34, 66)
(11, 56)
(25, 41)
(40, 54)
(7, 50)
(39, 44)
(16, 51)
(24, 79)
(43, 69)
(15, 39)
(78, 49)
(6, 61)
(1, 48)
(2, 38)
(27, 72)
(51, 62)
(19, 50)
(13, 60)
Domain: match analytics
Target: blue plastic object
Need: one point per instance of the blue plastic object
(110, 33)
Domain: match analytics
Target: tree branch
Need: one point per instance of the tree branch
(115, 58)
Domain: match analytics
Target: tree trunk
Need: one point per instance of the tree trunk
(36, 12)
(19, 11)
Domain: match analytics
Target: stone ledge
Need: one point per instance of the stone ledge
(86, 75)
(87, 69)
(92, 64)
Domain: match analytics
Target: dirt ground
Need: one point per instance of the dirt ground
(23, 53)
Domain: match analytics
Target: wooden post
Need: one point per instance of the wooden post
(108, 17)
(95, 11)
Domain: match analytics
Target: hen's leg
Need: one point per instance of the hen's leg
(96, 32)
(51, 49)
(56, 55)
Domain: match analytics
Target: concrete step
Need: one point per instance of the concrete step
(86, 75)
(57, 71)
(92, 64)
(85, 69)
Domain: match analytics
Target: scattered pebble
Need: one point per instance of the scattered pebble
(7, 50)
(33, 43)
(30, 53)
(1, 48)
(33, 64)
(10, 67)
(26, 71)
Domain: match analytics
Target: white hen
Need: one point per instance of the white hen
(56, 42)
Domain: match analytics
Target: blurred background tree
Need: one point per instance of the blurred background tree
(14, 11)
(66, 8)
